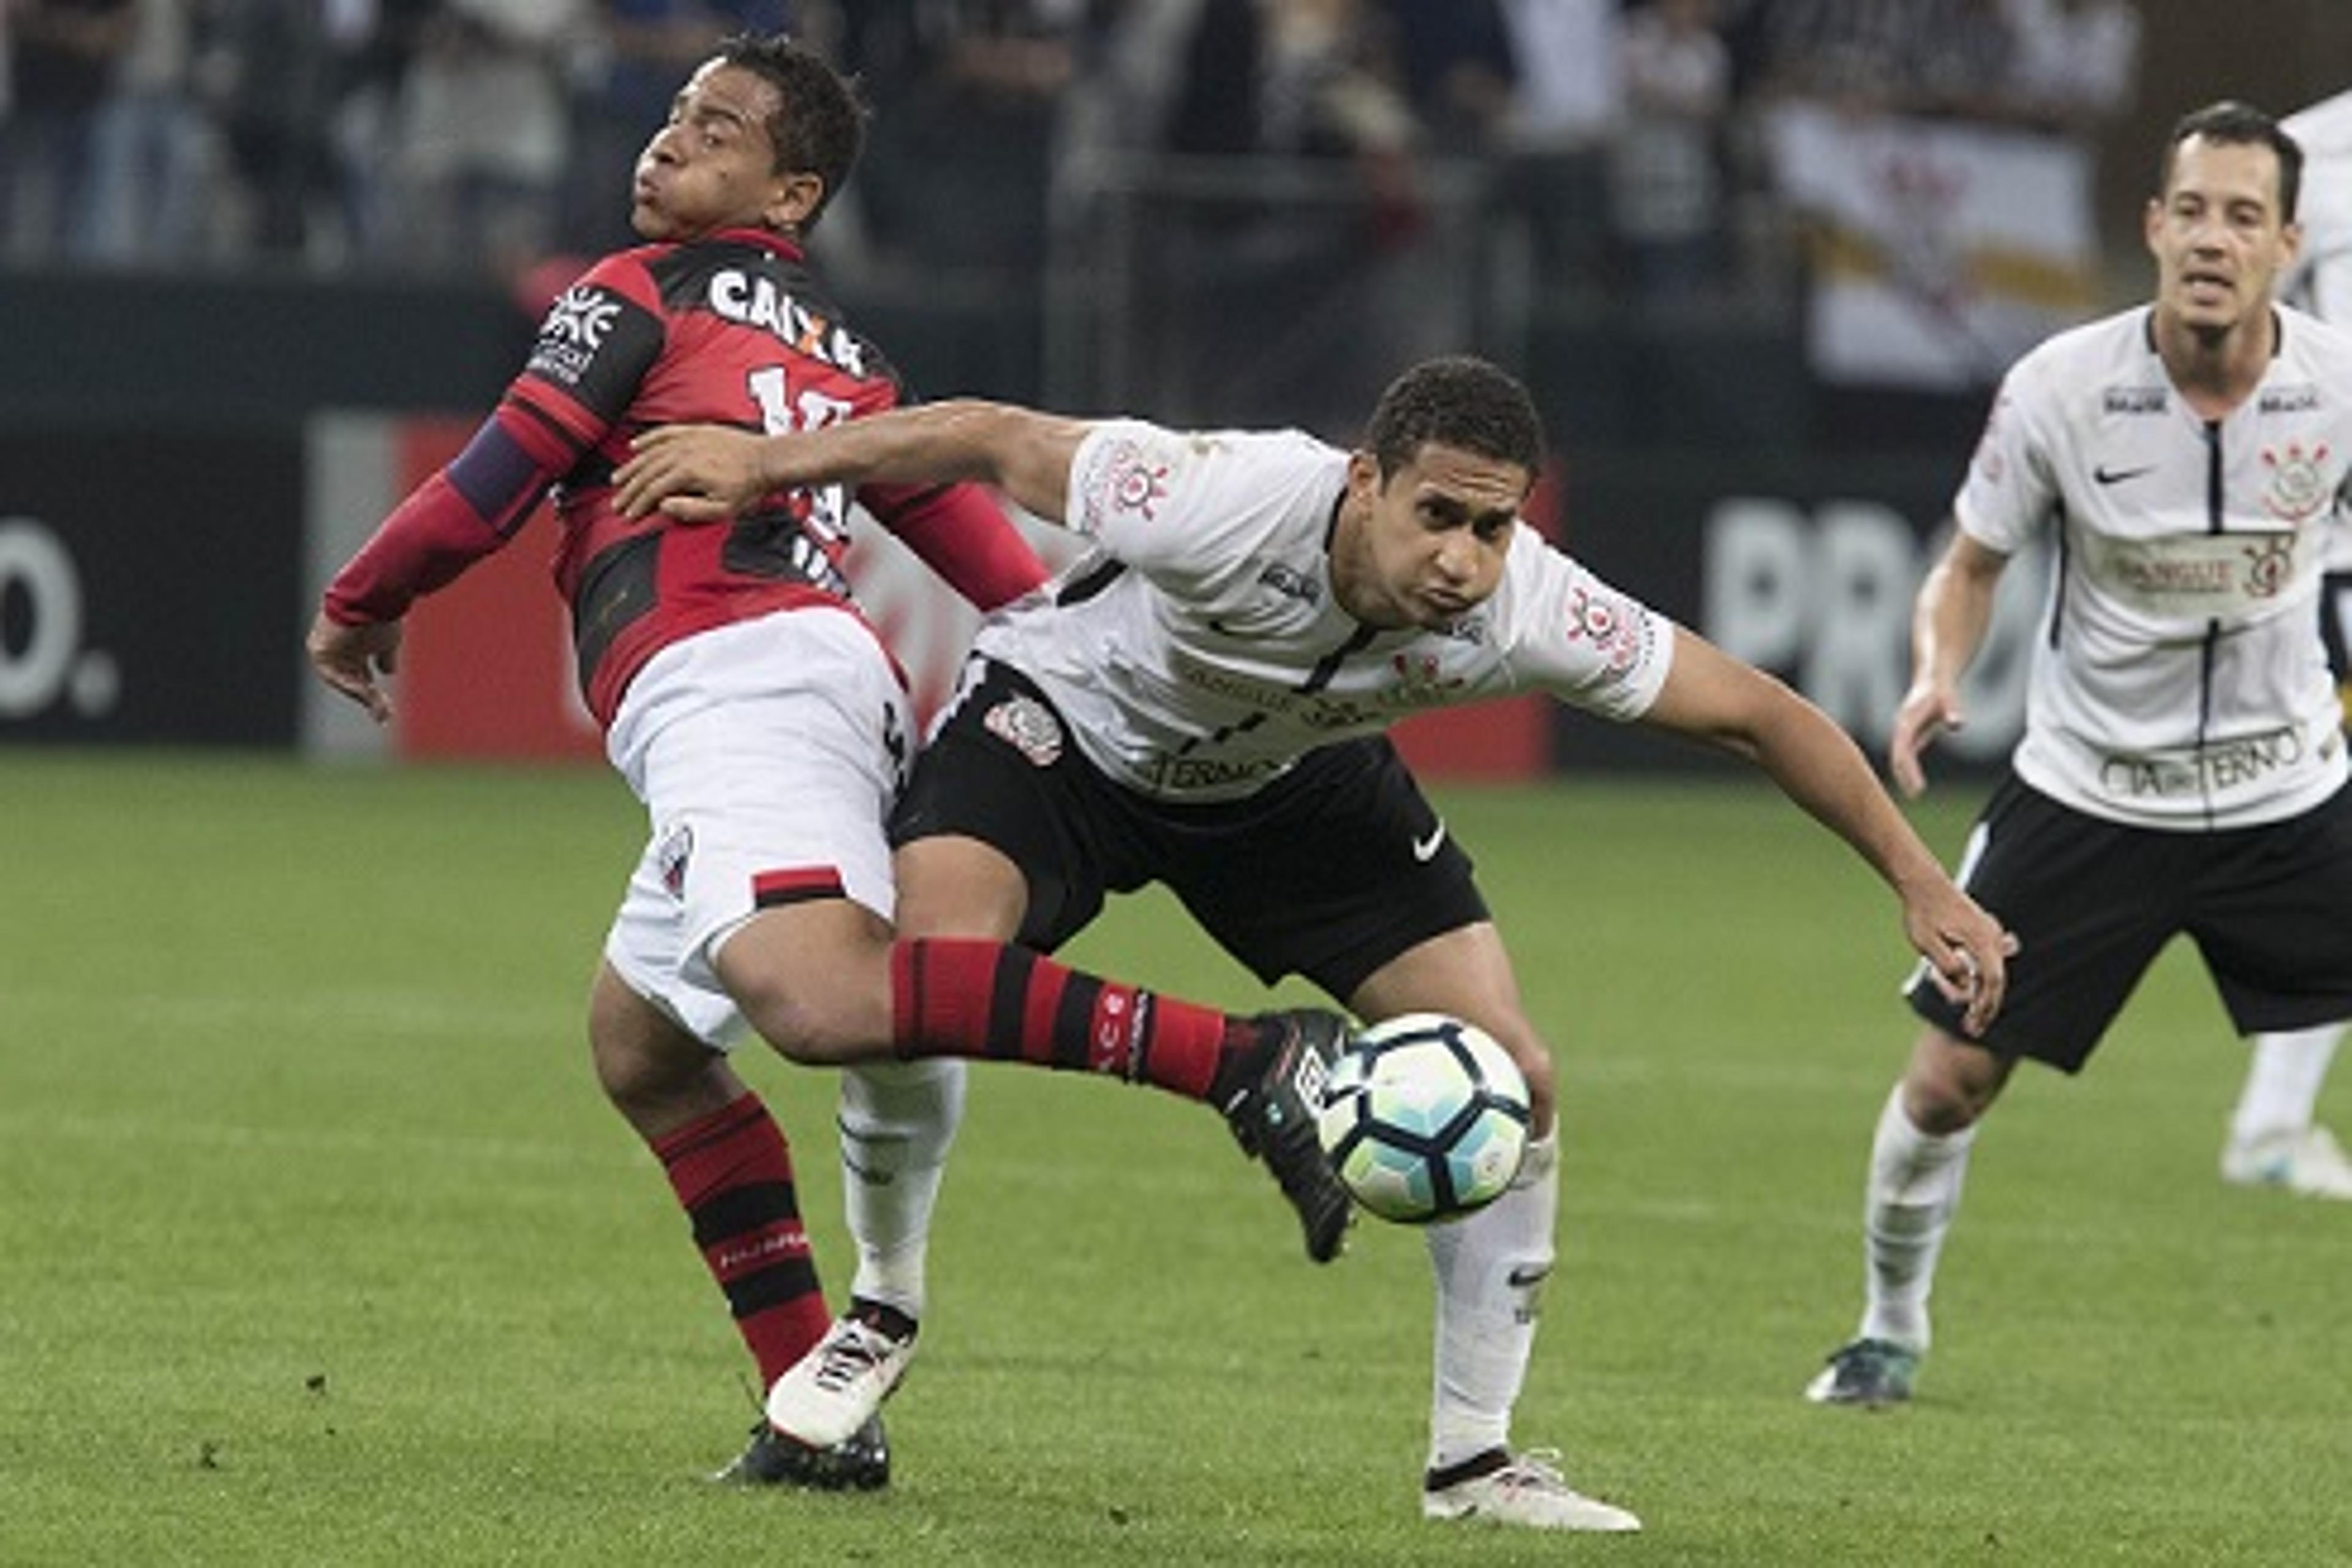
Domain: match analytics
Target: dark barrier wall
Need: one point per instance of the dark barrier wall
(149, 586)
(1804, 565)
(152, 483)
(203, 352)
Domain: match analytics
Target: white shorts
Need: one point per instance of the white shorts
(767, 754)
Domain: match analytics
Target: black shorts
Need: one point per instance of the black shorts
(1328, 872)
(2094, 901)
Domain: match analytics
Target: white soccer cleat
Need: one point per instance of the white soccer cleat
(2310, 1163)
(836, 1389)
(1527, 1491)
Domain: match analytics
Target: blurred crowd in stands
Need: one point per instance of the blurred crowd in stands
(441, 135)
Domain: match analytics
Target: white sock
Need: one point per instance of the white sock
(1914, 1192)
(2282, 1081)
(898, 1121)
(1491, 1268)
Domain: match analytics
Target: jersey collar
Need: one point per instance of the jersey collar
(783, 245)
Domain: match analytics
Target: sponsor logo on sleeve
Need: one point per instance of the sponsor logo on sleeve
(574, 328)
(1125, 479)
(580, 315)
(1607, 621)
(1136, 483)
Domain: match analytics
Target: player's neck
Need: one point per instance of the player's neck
(2216, 369)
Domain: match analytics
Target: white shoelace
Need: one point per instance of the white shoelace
(1535, 1468)
(851, 1353)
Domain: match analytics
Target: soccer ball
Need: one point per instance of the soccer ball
(1425, 1118)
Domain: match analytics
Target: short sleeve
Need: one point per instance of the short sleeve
(2008, 493)
(1591, 645)
(599, 339)
(1181, 502)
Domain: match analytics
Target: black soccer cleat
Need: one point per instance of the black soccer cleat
(859, 1462)
(1273, 1117)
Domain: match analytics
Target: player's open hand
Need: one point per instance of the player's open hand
(1967, 951)
(349, 659)
(1928, 710)
(694, 473)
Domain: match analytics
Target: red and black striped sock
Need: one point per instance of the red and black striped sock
(960, 997)
(733, 1174)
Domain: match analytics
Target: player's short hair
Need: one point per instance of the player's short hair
(819, 126)
(2232, 123)
(1455, 401)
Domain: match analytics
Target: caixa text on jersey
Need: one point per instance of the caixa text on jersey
(756, 302)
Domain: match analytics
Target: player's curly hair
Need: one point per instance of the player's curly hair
(1456, 401)
(2230, 123)
(819, 126)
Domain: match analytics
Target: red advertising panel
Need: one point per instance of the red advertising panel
(485, 666)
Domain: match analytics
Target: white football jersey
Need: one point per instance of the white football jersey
(1197, 649)
(2321, 280)
(2180, 680)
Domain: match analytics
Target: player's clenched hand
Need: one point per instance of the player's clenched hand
(1928, 710)
(694, 473)
(349, 659)
(1967, 951)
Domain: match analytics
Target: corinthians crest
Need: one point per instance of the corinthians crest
(1029, 727)
(2299, 482)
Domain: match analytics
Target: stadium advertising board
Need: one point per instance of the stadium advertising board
(1805, 567)
(150, 587)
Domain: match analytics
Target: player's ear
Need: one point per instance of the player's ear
(792, 198)
(1363, 475)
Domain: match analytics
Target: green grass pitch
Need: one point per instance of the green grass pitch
(318, 1246)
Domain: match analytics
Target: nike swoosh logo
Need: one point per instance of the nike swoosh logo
(1520, 1278)
(1426, 849)
(2108, 476)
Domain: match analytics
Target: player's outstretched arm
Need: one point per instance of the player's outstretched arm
(464, 512)
(702, 473)
(1711, 697)
(1948, 626)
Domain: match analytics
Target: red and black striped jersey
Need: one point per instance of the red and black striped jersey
(734, 329)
